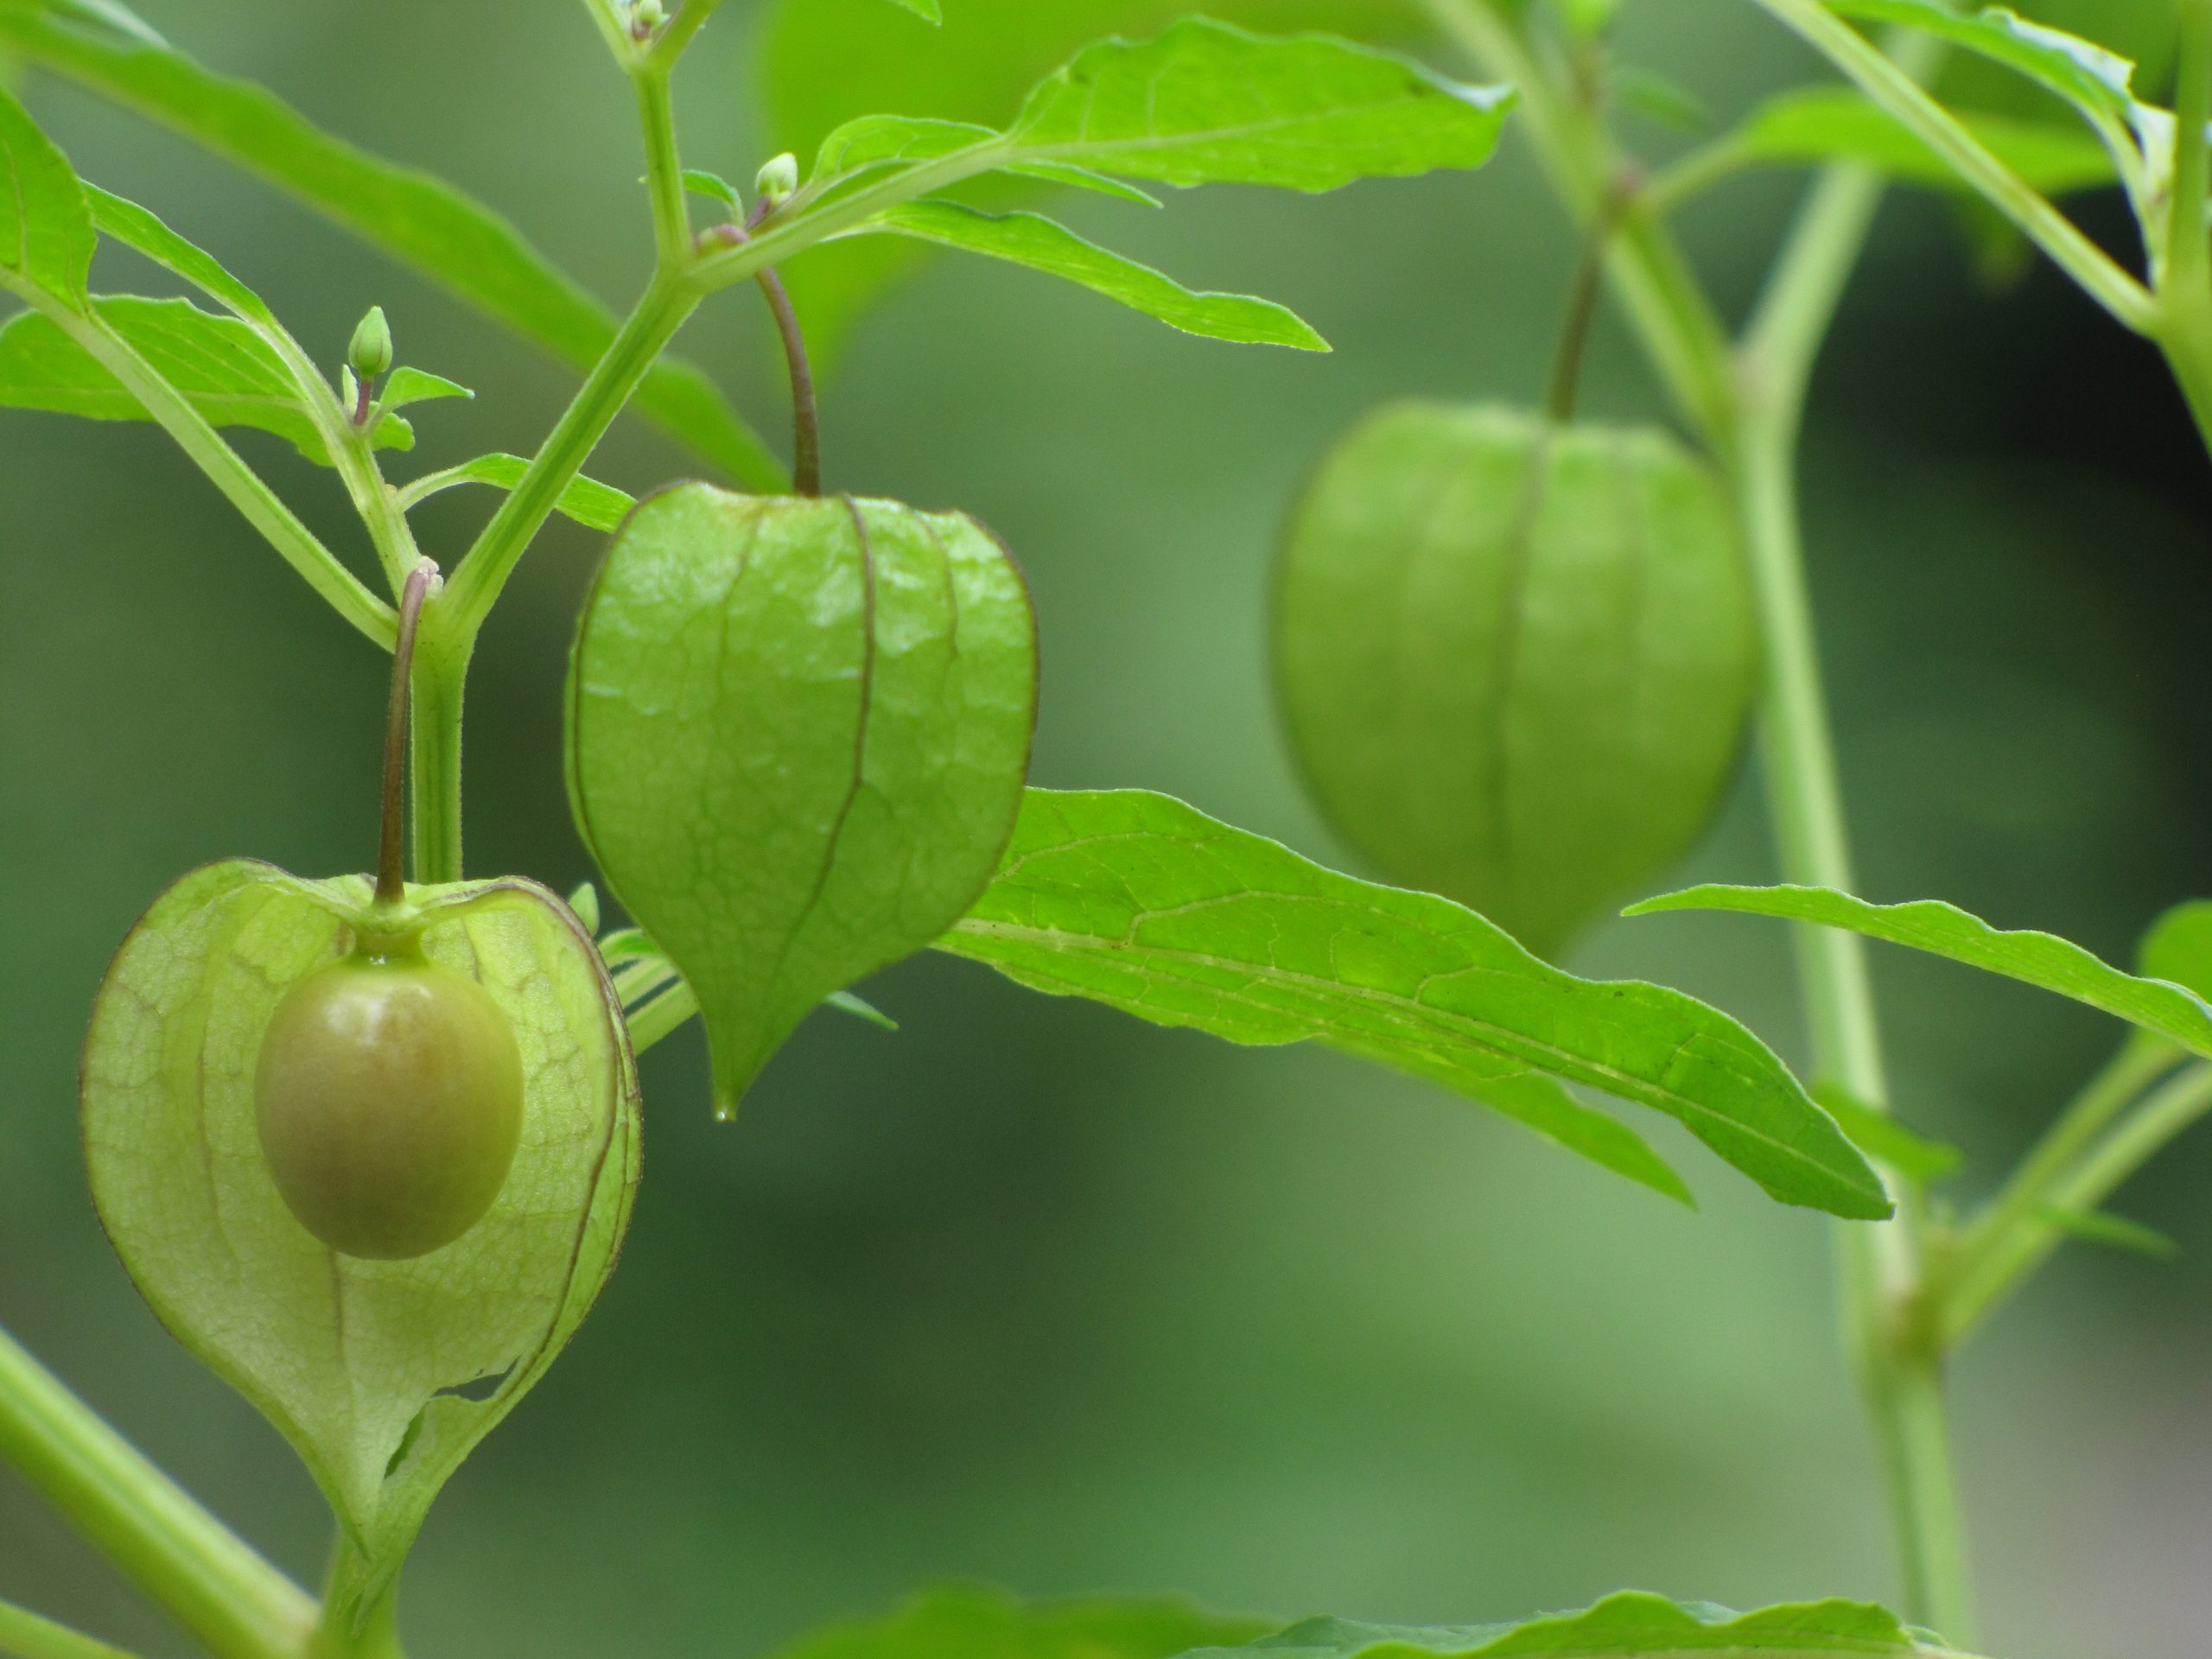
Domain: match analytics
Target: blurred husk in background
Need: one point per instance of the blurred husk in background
(1026, 1292)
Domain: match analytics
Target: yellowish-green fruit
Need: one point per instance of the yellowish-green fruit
(1517, 656)
(388, 1100)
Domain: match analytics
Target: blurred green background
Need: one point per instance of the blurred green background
(1030, 1293)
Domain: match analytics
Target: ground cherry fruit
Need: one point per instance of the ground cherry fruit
(388, 1100)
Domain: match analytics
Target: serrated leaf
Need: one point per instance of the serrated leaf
(1817, 124)
(590, 503)
(1141, 902)
(2114, 1232)
(1516, 659)
(2039, 959)
(418, 386)
(1882, 1137)
(351, 1359)
(798, 733)
(1045, 245)
(1632, 1624)
(960, 1623)
(230, 374)
(45, 227)
(1205, 102)
(417, 219)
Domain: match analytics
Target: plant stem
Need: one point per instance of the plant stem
(2185, 275)
(225, 467)
(392, 843)
(442, 651)
(232, 1602)
(2005, 1256)
(1981, 1268)
(663, 165)
(1888, 85)
(1750, 407)
(474, 587)
(806, 413)
(24, 1634)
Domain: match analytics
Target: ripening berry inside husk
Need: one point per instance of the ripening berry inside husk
(389, 1101)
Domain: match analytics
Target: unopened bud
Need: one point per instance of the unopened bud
(778, 181)
(646, 18)
(370, 354)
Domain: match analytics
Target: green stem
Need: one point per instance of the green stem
(1887, 85)
(340, 1633)
(2185, 275)
(232, 1602)
(225, 467)
(443, 649)
(663, 164)
(2004, 1256)
(475, 586)
(1983, 1265)
(1750, 407)
(1681, 334)
(690, 18)
(662, 1017)
(24, 1634)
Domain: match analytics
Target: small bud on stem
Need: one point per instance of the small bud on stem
(368, 356)
(777, 181)
(646, 17)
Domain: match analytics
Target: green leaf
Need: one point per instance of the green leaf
(138, 228)
(798, 733)
(2178, 947)
(990, 55)
(714, 187)
(354, 1361)
(1542, 1104)
(596, 505)
(960, 1623)
(1516, 660)
(1817, 124)
(2115, 1232)
(2097, 82)
(1141, 902)
(1880, 1136)
(2039, 959)
(413, 216)
(846, 1002)
(231, 373)
(45, 228)
(409, 385)
(1048, 246)
(1205, 102)
(925, 10)
(2093, 79)
(1629, 1625)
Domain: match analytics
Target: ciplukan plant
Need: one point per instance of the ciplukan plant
(368, 1143)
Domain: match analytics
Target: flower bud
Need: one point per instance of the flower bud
(646, 18)
(777, 181)
(370, 353)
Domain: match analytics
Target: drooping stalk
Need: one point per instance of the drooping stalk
(230, 1600)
